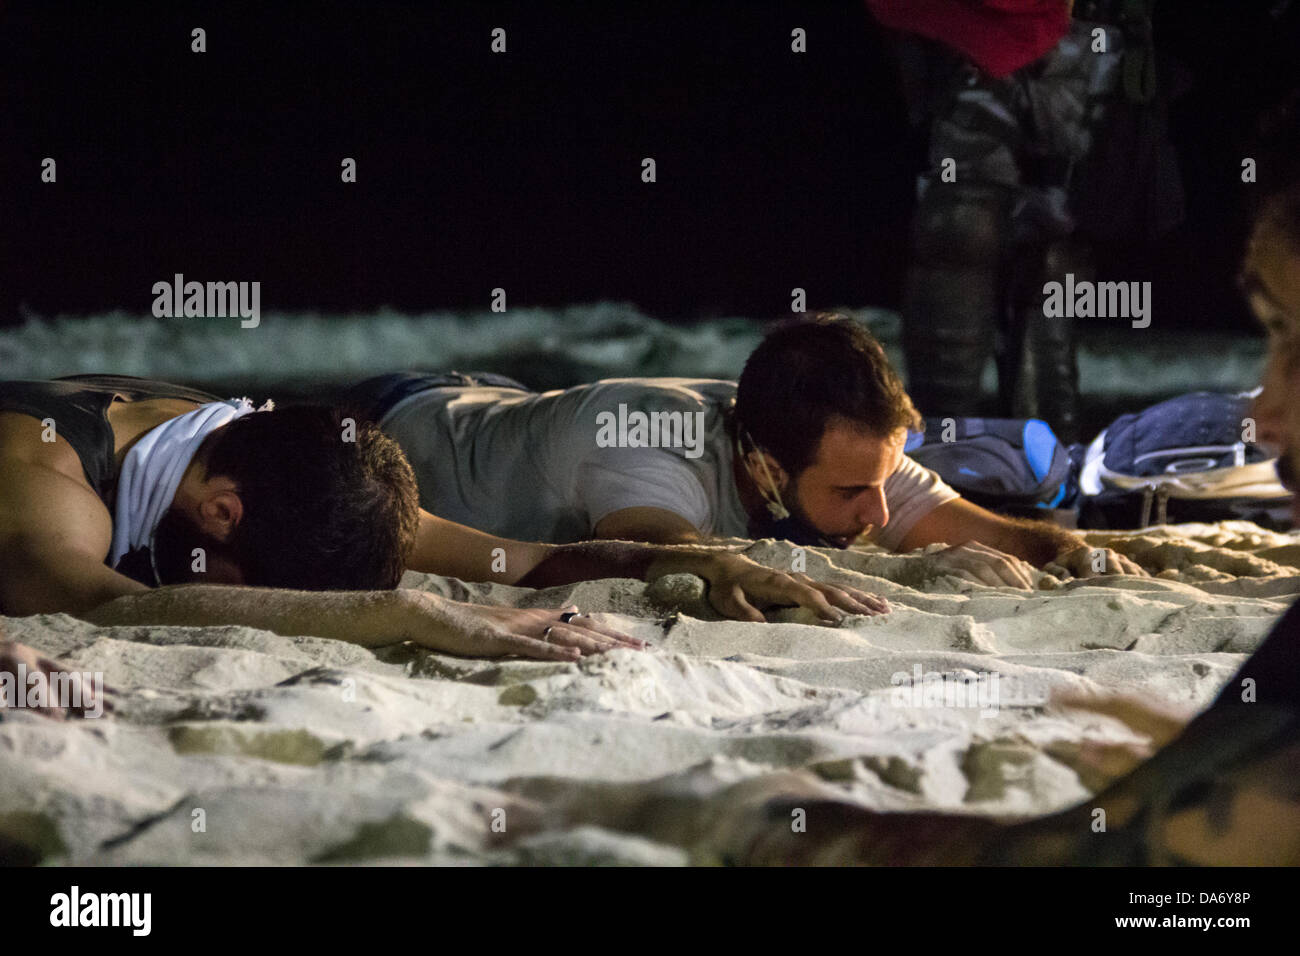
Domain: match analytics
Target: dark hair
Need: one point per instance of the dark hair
(810, 370)
(320, 512)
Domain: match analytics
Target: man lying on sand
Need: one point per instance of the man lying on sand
(296, 520)
(808, 447)
(1222, 791)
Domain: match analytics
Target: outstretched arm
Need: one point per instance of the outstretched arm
(369, 618)
(959, 521)
(648, 524)
(736, 584)
(973, 531)
(456, 551)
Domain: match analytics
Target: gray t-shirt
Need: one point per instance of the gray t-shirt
(549, 466)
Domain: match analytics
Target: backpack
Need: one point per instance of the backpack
(1184, 459)
(1003, 464)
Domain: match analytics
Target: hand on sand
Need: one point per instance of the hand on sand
(1084, 561)
(984, 565)
(13, 654)
(481, 630)
(739, 587)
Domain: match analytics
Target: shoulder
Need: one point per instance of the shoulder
(912, 478)
(25, 440)
(696, 392)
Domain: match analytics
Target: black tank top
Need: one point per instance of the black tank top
(78, 404)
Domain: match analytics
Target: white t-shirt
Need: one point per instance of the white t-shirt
(549, 466)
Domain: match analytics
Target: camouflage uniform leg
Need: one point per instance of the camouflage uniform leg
(959, 237)
(1045, 381)
(1065, 95)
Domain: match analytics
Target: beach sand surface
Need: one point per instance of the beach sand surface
(229, 745)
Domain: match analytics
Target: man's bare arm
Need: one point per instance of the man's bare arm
(444, 547)
(368, 618)
(655, 525)
(964, 525)
(54, 536)
(456, 551)
(447, 548)
(959, 521)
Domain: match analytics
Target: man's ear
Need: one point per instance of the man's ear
(755, 459)
(220, 512)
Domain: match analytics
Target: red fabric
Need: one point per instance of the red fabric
(999, 36)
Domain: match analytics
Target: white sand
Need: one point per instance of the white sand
(236, 746)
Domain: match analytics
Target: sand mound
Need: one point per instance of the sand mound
(235, 746)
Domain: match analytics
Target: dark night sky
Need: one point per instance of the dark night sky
(523, 171)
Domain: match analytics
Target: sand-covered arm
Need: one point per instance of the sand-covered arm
(368, 618)
(738, 586)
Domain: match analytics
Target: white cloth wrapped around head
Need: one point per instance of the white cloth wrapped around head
(153, 468)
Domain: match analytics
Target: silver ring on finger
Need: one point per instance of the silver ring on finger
(546, 636)
(568, 616)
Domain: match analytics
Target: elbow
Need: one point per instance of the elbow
(33, 588)
(25, 602)
(22, 596)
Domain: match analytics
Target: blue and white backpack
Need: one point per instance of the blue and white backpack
(1185, 459)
